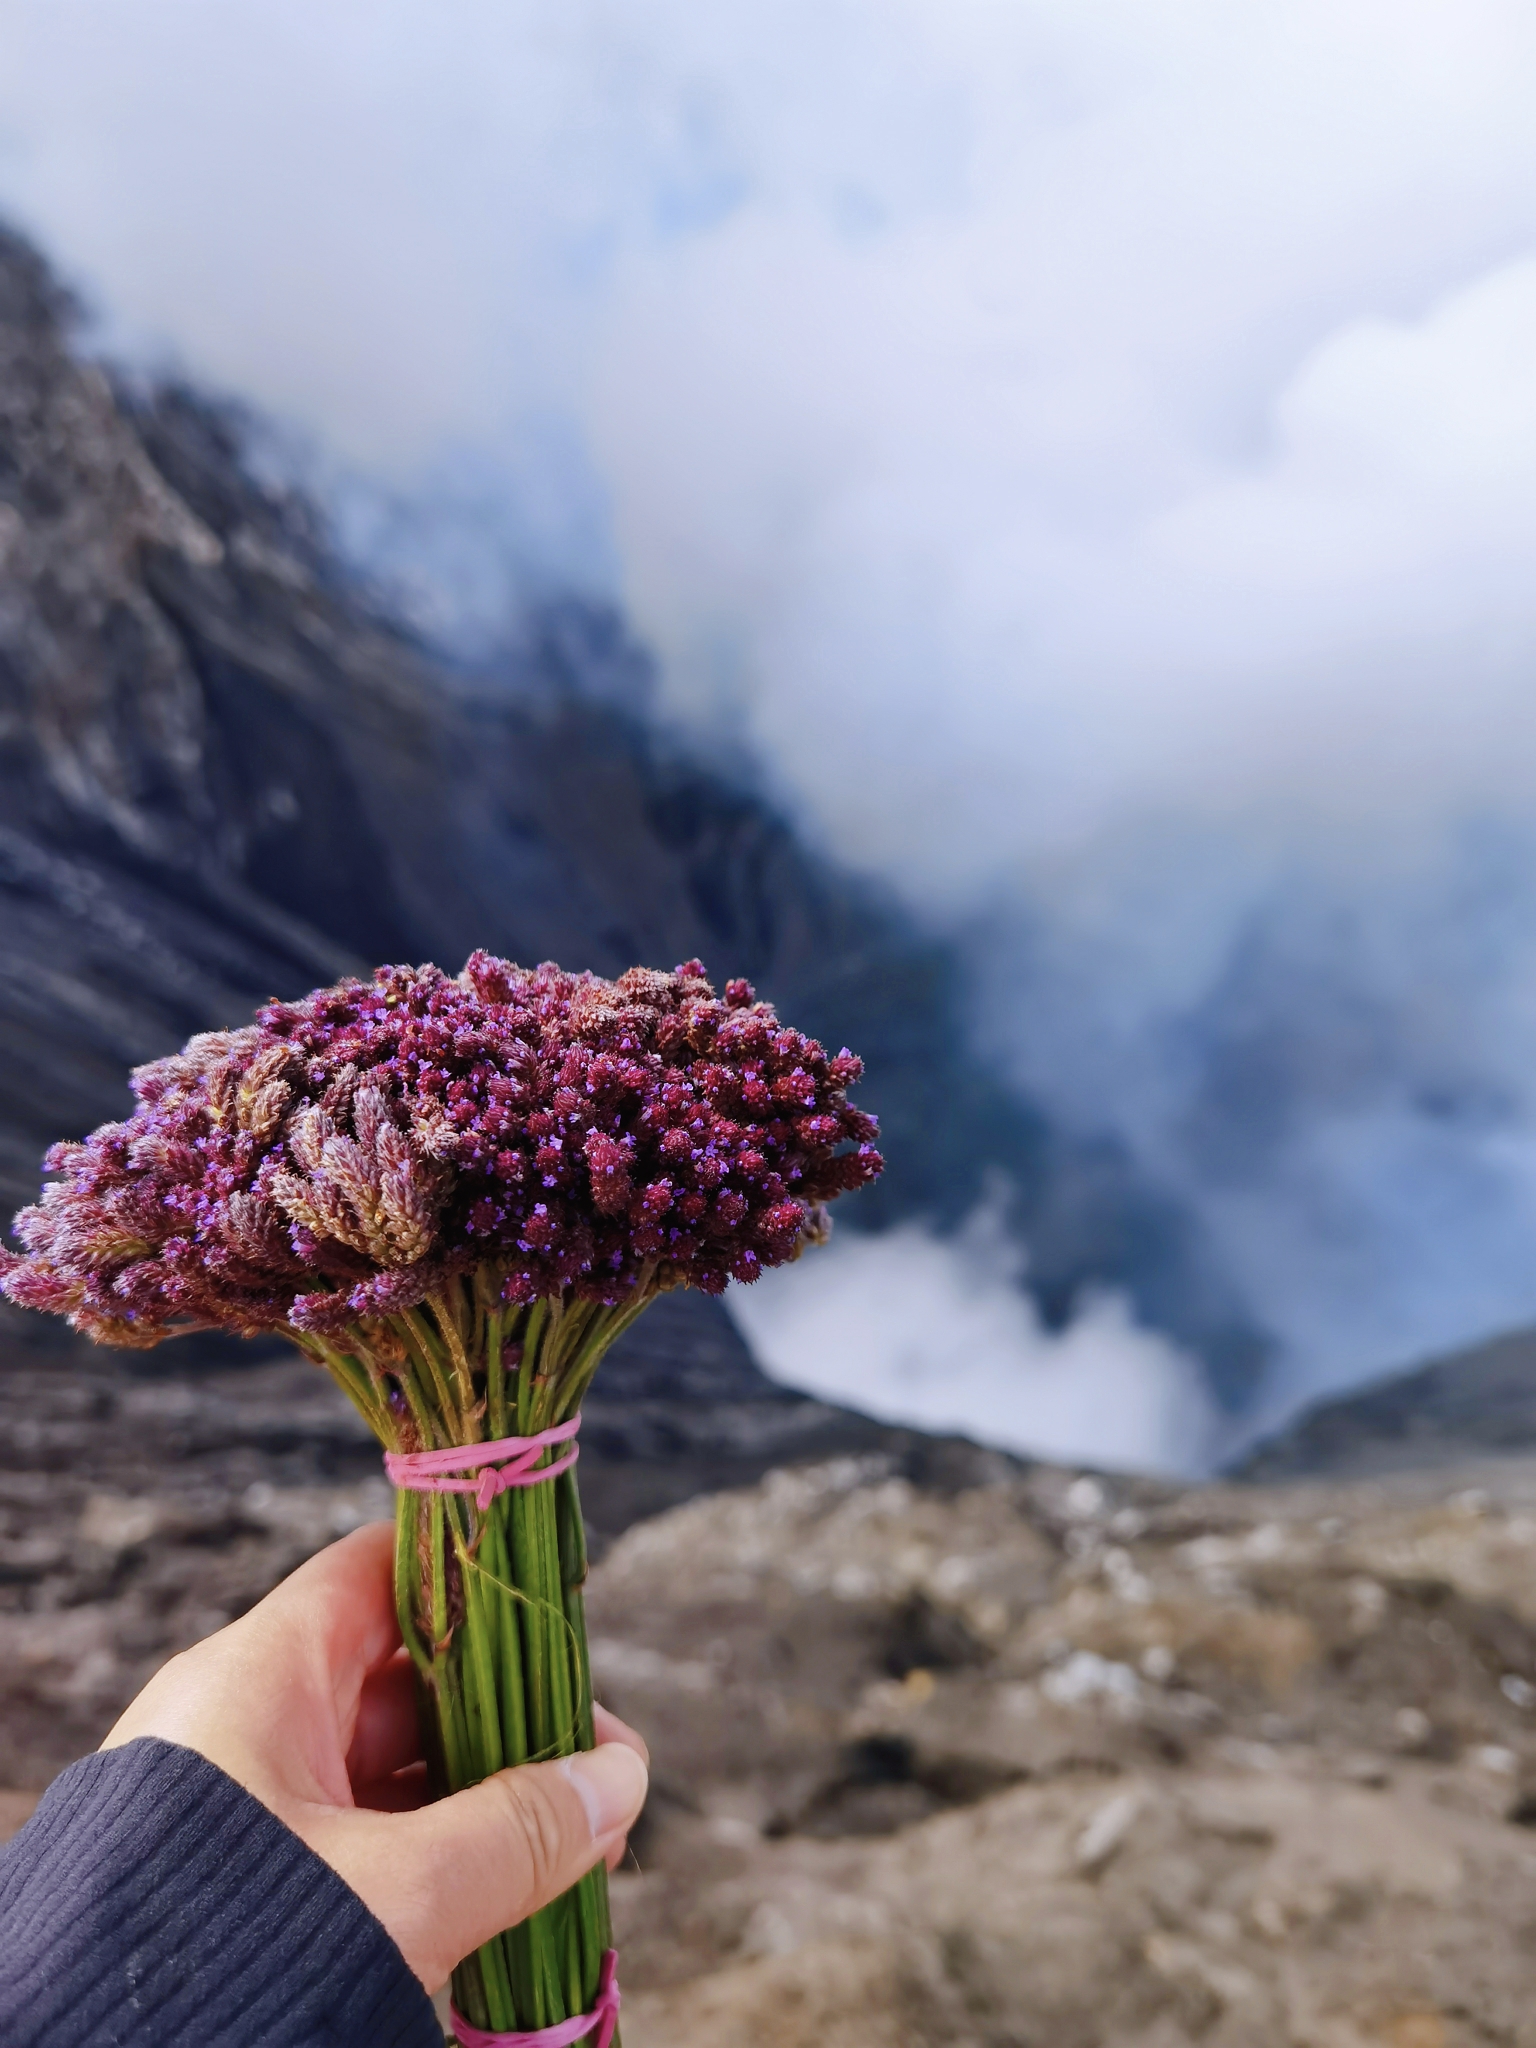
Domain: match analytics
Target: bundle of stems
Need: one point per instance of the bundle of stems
(454, 1192)
(490, 1603)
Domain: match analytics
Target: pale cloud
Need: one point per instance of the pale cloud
(1088, 449)
(936, 1333)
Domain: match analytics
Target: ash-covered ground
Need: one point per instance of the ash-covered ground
(992, 1758)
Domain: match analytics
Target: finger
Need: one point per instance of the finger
(387, 1737)
(456, 1872)
(609, 1728)
(387, 1734)
(343, 1602)
(296, 1663)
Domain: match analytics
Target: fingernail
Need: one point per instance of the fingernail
(611, 1781)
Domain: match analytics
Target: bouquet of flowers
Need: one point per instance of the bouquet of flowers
(454, 1193)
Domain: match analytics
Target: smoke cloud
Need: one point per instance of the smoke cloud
(1088, 450)
(937, 1332)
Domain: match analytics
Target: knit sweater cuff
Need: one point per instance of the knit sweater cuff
(150, 1899)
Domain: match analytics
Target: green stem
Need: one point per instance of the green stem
(491, 1606)
(495, 1382)
(353, 1376)
(453, 1342)
(450, 1422)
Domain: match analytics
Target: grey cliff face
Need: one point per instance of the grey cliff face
(225, 773)
(1471, 1404)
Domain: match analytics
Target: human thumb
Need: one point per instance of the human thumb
(447, 1877)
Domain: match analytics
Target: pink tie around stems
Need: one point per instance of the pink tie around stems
(604, 2017)
(509, 1462)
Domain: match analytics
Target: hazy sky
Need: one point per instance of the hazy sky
(1089, 448)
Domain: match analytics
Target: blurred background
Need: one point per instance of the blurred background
(1075, 466)
(1009, 524)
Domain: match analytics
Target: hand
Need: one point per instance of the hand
(309, 1702)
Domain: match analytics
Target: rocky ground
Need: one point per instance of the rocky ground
(1071, 1762)
(998, 1759)
(142, 1505)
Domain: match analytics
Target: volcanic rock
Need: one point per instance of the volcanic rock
(1023, 1756)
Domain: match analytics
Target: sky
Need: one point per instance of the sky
(1086, 450)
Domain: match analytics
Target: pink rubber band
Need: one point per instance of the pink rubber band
(510, 1461)
(604, 2016)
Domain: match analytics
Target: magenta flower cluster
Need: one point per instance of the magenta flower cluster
(344, 1155)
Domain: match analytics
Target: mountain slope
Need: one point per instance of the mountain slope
(224, 773)
(1479, 1402)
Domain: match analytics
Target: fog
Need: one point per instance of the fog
(1088, 452)
(921, 1330)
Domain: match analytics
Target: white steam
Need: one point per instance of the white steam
(936, 1332)
(1016, 418)
(1088, 447)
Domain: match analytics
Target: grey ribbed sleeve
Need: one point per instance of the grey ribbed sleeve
(150, 1900)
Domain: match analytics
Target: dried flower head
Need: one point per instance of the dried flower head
(343, 1155)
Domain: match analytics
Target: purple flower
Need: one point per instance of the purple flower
(344, 1155)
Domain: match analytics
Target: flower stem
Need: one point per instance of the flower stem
(491, 1605)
